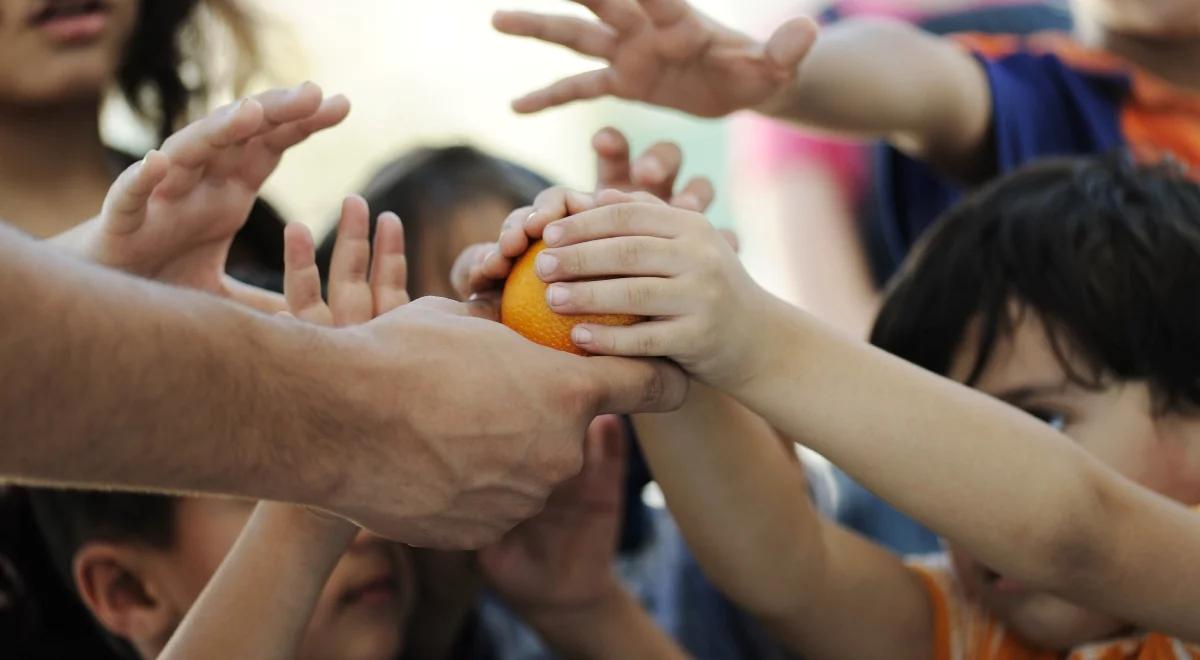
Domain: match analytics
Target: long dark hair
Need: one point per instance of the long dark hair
(169, 38)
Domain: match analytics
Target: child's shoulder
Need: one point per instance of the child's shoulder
(964, 629)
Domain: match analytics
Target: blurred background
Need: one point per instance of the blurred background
(422, 73)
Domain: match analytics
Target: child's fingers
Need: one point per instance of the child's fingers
(697, 195)
(622, 15)
(622, 256)
(284, 105)
(612, 159)
(790, 44)
(638, 296)
(514, 240)
(645, 339)
(126, 203)
(331, 112)
(611, 197)
(301, 279)
(580, 87)
(389, 265)
(468, 260)
(555, 204)
(199, 142)
(657, 168)
(621, 220)
(580, 35)
(349, 290)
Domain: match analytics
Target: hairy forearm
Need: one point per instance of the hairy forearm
(1011, 491)
(879, 79)
(740, 499)
(278, 567)
(616, 627)
(117, 382)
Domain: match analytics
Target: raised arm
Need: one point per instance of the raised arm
(872, 79)
(1017, 495)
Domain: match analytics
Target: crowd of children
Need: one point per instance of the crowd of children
(1030, 392)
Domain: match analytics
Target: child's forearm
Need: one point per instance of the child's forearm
(614, 628)
(879, 79)
(260, 600)
(740, 498)
(1014, 493)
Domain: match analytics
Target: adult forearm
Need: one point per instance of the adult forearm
(112, 381)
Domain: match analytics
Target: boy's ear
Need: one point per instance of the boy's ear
(116, 586)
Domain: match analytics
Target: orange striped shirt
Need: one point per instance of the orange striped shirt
(965, 630)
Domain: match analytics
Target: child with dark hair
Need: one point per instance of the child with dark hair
(1066, 292)
(449, 198)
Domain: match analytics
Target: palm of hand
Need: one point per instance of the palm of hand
(694, 65)
(193, 217)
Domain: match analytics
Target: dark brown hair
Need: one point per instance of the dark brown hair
(170, 38)
(1105, 252)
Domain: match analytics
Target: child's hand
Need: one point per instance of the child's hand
(562, 560)
(362, 285)
(655, 171)
(666, 53)
(672, 267)
(173, 216)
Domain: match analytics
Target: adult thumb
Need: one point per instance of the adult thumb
(637, 385)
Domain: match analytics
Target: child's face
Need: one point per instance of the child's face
(53, 57)
(1148, 18)
(1116, 425)
(361, 613)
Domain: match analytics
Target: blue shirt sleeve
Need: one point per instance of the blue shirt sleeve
(1041, 107)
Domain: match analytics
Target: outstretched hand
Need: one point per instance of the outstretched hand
(666, 53)
(173, 216)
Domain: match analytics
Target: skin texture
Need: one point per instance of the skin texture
(1078, 528)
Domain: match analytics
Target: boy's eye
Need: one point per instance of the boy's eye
(1054, 419)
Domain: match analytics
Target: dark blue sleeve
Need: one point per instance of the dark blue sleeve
(1040, 108)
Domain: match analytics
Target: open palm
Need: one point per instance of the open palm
(666, 53)
(174, 216)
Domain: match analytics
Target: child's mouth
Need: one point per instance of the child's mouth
(71, 20)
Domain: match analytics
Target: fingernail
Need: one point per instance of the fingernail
(557, 295)
(581, 335)
(546, 264)
(531, 218)
(552, 235)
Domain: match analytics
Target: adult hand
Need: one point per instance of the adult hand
(173, 216)
(457, 428)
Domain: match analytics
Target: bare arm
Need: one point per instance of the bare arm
(260, 600)
(1073, 526)
(874, 79)
(142, 385)
(112, 381)
(743, 505)
(889, 80)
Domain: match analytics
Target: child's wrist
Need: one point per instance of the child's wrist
(557, 616)
(583, 626)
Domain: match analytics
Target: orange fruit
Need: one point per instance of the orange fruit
(523, 308)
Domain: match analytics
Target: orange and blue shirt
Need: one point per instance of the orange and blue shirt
(1051, 96)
